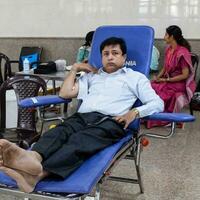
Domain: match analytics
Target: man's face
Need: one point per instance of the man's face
(112, 58)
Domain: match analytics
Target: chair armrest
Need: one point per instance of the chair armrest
(171, 117)
(14, 61)
(42, 101)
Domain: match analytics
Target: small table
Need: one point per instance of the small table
(56, 76)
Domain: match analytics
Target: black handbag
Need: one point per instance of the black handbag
(46, 68)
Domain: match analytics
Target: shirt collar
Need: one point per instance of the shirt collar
(119, 71)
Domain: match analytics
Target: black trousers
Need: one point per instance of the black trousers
(67, 146)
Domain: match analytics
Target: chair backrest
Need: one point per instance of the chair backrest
(32, 53)
(195, 63)
(24, 86)
(139, 41)
(195, 101)
(5, 70)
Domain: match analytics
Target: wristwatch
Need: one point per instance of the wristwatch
(136, 112)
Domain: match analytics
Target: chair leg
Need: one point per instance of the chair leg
(191, 110)
(42, 126)
(139, 179)
(137, 165)
(97, 193)
(40, 119)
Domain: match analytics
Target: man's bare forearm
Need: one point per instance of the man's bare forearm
(69, 87)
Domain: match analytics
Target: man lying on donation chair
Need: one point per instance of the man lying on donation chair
(108, 95)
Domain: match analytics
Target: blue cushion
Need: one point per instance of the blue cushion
(171, 117)
(83, 179)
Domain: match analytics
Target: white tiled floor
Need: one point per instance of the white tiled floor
(170, 169)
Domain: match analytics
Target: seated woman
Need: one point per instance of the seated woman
(154, 60)
(176, 79)
(84, 50)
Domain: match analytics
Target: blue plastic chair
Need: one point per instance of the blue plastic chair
(139, 41)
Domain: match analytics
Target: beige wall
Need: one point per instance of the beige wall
(53, 48)
(66, 48)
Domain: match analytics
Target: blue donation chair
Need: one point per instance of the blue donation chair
(79, 184)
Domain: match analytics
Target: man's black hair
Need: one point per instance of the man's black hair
(114, 41)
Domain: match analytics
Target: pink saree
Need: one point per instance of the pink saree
(177, 94)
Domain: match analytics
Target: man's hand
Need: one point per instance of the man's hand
(127, 118)
(83, 67)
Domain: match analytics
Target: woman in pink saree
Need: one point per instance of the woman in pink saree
(175, 83)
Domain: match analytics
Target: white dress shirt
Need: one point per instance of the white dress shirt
(115, 93)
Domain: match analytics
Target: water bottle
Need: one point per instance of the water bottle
(26, 66)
